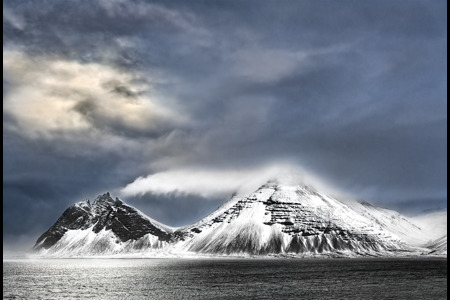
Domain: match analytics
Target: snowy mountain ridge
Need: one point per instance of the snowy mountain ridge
(276, 219)
(106, 226)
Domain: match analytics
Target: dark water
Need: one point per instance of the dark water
(225, 279)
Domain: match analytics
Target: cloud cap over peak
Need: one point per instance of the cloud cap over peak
(210, 183)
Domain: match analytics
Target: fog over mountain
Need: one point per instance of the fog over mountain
(175, 106)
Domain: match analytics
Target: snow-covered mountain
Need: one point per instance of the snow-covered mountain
(276, 219)
(279, 219)
(434, 226)
(438, 246)
(107, 226)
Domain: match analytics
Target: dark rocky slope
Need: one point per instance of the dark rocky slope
(124, 221)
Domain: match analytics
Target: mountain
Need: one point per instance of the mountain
(276, 219)
(280, 219)
(438, 246)
(107, 226)
(434, 225)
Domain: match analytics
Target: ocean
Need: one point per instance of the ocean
(371, 278)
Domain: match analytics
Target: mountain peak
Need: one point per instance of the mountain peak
(271, 183)
(107, 199)
(121, 221)
(104, 197)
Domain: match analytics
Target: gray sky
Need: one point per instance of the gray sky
(175, 105)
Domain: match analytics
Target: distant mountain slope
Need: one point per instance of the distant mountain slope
(433, 224)
(438, 246)
(274, 220)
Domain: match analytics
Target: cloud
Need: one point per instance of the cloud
(16, 20)
(134, 94)
(213, 183)
(266, 65)
(149, 12)
(49, 95)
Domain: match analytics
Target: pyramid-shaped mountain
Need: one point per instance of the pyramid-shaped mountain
(106, 226)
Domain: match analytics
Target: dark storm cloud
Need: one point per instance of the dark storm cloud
(354, 91)
(41, 180)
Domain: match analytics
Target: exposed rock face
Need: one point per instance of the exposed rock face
(106, 213)
(274, 220)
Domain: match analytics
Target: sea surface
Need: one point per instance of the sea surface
(225, 279)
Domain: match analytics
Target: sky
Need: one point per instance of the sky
(173, 106)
